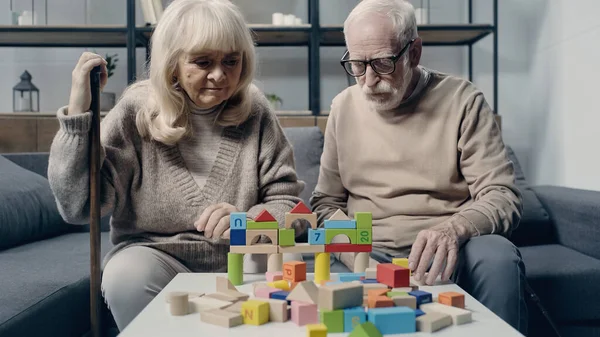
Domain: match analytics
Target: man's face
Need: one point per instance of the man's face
(372, 37)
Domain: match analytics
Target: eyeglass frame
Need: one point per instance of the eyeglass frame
(393, 58)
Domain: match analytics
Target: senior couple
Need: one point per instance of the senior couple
(197, 140)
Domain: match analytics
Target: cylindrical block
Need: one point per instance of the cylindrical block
(278, 19)
(361, 262)
(235, 268)
(178, 303)
(322, 264)
(275, 262)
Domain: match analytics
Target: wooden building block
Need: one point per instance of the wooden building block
(303, 248)
(316, 236)
(294, 271)
(331, 233)
(224, 318)
(255, 312)
(392, 275)
(251, 234)
(237, 221)
(235, 307)
(340, 224)
(203, 303)
(452, 298)
(361, 262)
(178, 303)
(402, 262)
(291, 217)
(433, 322)
(349, 277)
(391, 294)
(364, 220)
(339, 215)
(405, 301)
(405, 289)
(305, 291)
(273, 276)
(373, 286)
(224, 285)
(354, 317)
(287, 237)
(300, 208)
(230, 296)
(316, 330)
(367, 329)
(364, 236)
(322, 267)
(377, 292)
(281, 284)
(380, 302)
(259, 248)
(278, 310)
(265, 292)
(422, 297)
(459, 316)
(419, 312)
(175, 293)
(237, 237)
(371, 273)
(333, 320)
(235, 268)
(275, 263)
(262, 225)
(304, 313)
(347, 248)
(280, 295)
(340, 296)
(264, 216)
(393, 320)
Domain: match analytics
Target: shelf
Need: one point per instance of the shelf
(432, 35)
(63, 36)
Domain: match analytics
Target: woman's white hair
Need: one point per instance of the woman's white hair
(400, 12)
(188, 26)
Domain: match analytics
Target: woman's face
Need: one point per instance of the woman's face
(209, 77)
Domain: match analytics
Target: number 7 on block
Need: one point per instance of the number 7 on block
(316, 236)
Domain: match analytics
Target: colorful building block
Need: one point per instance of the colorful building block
(348, 277)
(333, 319)
(278, 310)
(237, 220)
(316, 330)
(255, 312)
(280, 295)
(340, 224)
(322, 267)
(316, 236)
(273, 276)
(331, 233)
(265, 292)
(287, 237)
(235, 268)
(368, 281)
(452, 298)
(402, 262)
(364, 220)
(394, 320)
(371, 273)
(281, 284)
(396, 293)
(392, 275)
(405, 301)
(264, 216)
(379, 302)
(305, 291)
(311, 218)
(339, 215)
(262, 225)
(422, 297)
(304, 313)
(300, 208)
(237, 237)
(367, 329)
(294, 271)
(340, 296)
(354, 317)
(433, 322)
(347, 247)
(419, 312)
(459, 316)
(364, 236)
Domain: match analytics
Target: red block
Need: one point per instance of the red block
(264, 216)
(392, 275)
(347, 248)
(300, 208)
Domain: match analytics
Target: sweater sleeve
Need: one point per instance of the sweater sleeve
(68, 167)
(329, 194)
(484, 163)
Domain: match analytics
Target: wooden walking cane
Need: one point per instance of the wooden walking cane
(94, 157)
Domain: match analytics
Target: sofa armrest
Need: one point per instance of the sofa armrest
(36, 162)
(575, 215)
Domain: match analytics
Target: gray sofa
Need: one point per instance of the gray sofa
(44, 262)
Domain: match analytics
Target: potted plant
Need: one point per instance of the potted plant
(275, 101)
(107, 99)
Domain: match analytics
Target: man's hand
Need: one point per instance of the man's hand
(214, 221)
(440, 244)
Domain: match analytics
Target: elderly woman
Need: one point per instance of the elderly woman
(180, 152)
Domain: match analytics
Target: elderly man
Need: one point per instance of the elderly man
(421, 150)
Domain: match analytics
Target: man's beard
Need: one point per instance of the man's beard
(391, 97)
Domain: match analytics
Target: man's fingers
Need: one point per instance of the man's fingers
(200, 224)
(438, 264)
(416, 251)
(227, 234)
(426, 257)
(213, 221)
(221, 227)
(450, 264)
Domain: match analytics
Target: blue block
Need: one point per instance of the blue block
(237, 220)
(237, 237)
(419, 312)
(349, 277)
(280, 295)
(422, 296)
(353, 317)
(316, 236)
(369, 280)
(340, 224)
(392, 320)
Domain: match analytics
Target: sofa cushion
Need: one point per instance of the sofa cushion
(45, 286)
(28, 209)
(308, 146)
(564, 280)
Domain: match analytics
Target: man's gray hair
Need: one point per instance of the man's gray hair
(400, 12)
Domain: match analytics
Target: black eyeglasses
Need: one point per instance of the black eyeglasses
(382, 66)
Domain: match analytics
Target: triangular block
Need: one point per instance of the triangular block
(224, 285)
(339, 215)
(300, 208)
(264, 216)
(306, 292)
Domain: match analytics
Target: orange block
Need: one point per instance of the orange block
(293, 285)
(380, 302)
(377, 292)
(294, 271)
(452, 299)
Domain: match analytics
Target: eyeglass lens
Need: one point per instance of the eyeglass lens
(381, 66)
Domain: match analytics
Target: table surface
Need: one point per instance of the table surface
(155, 319)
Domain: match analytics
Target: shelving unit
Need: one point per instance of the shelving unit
(311, 35)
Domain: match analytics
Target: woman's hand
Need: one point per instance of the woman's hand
(214, 221)
(81, 93)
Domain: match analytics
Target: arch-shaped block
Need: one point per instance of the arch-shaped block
(331, 233)
(291, 217)
(251, 234)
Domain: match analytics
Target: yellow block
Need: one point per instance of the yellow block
(255, 312)
(322, 263)
(316, 330)
(402, 262)
(281, 284)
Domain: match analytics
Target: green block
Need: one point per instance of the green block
(367, 329)
(287, 237)
(235, 268)
(391, 294)
(330, 233)
(364, 220)
(364, 236)
(262, 225)
(334, 320)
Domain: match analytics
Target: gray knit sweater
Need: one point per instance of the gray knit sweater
(153, 198)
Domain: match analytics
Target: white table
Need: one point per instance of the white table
(155, 319)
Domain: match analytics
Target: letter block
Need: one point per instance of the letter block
(392, 275)
(255, 312)
(237, 220)
(294, 271)
(316, 236)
